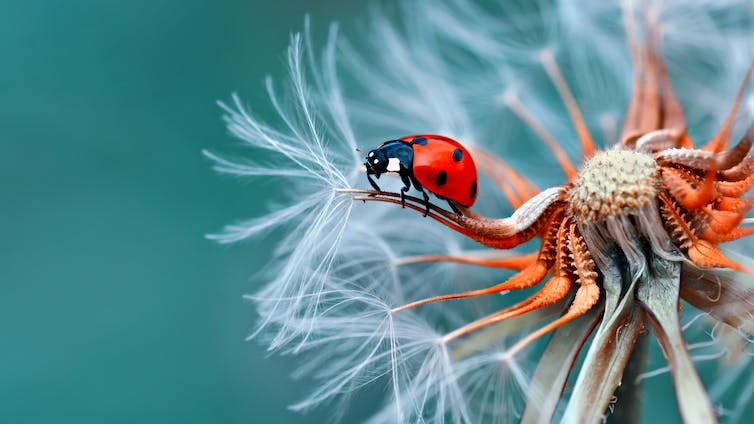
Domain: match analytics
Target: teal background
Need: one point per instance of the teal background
(114, 308)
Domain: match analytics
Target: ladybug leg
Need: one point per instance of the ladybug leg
(374, 184)
(403, 197)
(407, 185)
(455, 209)
(426, 200)
(410, 179)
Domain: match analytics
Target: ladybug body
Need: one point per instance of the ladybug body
(436, 163)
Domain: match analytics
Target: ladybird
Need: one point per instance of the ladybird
(436, 163)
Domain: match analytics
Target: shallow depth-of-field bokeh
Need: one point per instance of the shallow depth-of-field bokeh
(114, 306)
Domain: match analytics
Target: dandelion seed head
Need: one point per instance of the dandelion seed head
(614, 183)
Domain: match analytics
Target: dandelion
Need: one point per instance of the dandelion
(365, 289)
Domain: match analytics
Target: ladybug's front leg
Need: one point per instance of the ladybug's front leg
(374, 184)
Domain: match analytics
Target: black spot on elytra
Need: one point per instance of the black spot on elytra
(442, 178)
(457, 155)
(419, 140)
(472, 193)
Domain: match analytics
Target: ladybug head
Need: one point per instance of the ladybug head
(376, 162)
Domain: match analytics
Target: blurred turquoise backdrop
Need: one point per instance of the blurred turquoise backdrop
(114, 307)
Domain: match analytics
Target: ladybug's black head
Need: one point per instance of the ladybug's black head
(391, 156)
(376, 162)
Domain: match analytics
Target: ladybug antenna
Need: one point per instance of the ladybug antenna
(359, 150)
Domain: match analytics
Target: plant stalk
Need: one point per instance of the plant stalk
(627, 409)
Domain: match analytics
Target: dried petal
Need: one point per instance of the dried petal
(603, 367)
(726, 295)
(555, 366)
(658, 292)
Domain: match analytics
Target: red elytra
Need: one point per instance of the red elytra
(444, 167)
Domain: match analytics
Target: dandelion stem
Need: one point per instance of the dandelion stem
(629, 393)
(517, 262)
(374, 195)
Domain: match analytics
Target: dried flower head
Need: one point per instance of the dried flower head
(614, 250)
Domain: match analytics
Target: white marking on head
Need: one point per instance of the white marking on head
(393, 165)
(376, 161)
(371, 154)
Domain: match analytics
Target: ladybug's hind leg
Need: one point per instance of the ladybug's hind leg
(455, 208)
